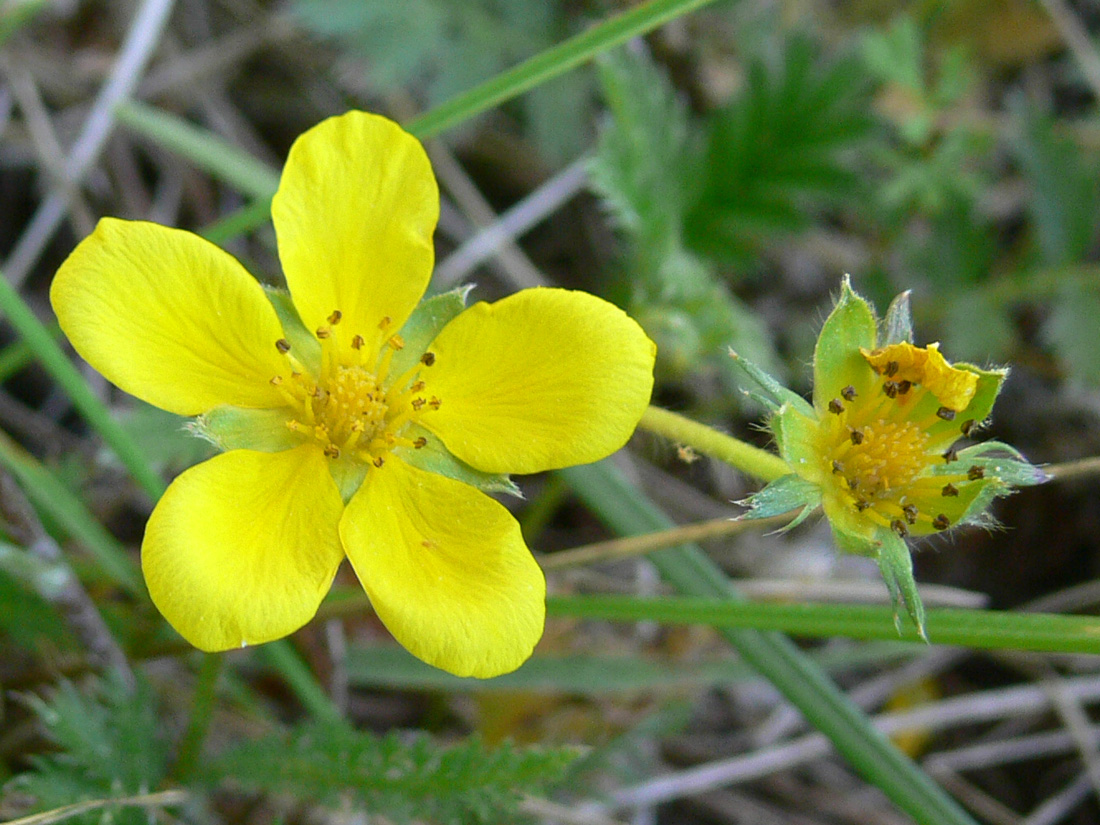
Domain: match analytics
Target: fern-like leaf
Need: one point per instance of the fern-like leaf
(403, 777)
(782, 149)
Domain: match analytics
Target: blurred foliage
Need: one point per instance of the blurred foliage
(406, 776)
(110, 744)
(646, 170)
(781, 151)
(453, 47)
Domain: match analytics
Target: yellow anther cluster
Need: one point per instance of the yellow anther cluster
(355, 410)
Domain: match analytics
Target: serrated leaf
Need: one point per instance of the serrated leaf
(780, 151)
(399, 776)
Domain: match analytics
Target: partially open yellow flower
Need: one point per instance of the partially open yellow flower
(354, 422)
(878, 448)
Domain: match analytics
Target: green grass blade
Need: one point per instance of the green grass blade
(51, 496)
(550, 63)
(61, 369)
(201, 147)
(988, 629)
(627, 511)
(394, 668)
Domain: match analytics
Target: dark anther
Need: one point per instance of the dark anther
(892, 368)
(941, 522)
(435, 402)
(849, 393)
(890, 388)
(836, 407)
(898, 527)
(323, 332)
(427, 359)
(975, 472)
(904, 387)
(378, 461)
(950, 454)
(837, 467)
(857, 436)
(417, 403)
(420, 443)
(332, 451)
(283, 346)
(334, 319)
(910, 513)
(946, 413)
(949, 490)
(862, 504)
(967, 427)
(357, 342)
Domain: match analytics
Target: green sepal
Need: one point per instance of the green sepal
(837, 359)
(985, 394)
(1004, 462)
(786, 493)
(238, 428)
(896, 564)
(303, 344)
(897, 326)
(796, 436)
(425, 323)
(436, 458)
(776, 394)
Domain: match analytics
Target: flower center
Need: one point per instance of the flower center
(890, 455)
(879, 451)
(353, 407)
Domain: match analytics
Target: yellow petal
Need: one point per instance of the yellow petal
(242, 548)
(354, 216)
(545, 378)
(169, 317)
(952, 387)
(446, 569)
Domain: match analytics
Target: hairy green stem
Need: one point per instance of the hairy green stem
(707, 441)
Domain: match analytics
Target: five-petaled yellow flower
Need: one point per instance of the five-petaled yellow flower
(882, 448)
(353, 422)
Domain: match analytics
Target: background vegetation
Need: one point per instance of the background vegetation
(713, 168)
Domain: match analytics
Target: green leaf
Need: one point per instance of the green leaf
(776, 394)
(897, 326)
(400, 776)
(1065, 204)
(201, 147)
(425, 323)
(1003, 461)
(796, 436)
(787, 493)
(984, 629)
(781, 151)
(238, 428)
(436, 458)
(896, 564)
(837, 360)
(109, 743)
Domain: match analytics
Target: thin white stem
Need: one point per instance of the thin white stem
(140, 42)
(513, 223)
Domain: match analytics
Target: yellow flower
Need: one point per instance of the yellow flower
(878, 447)
(354, 422)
